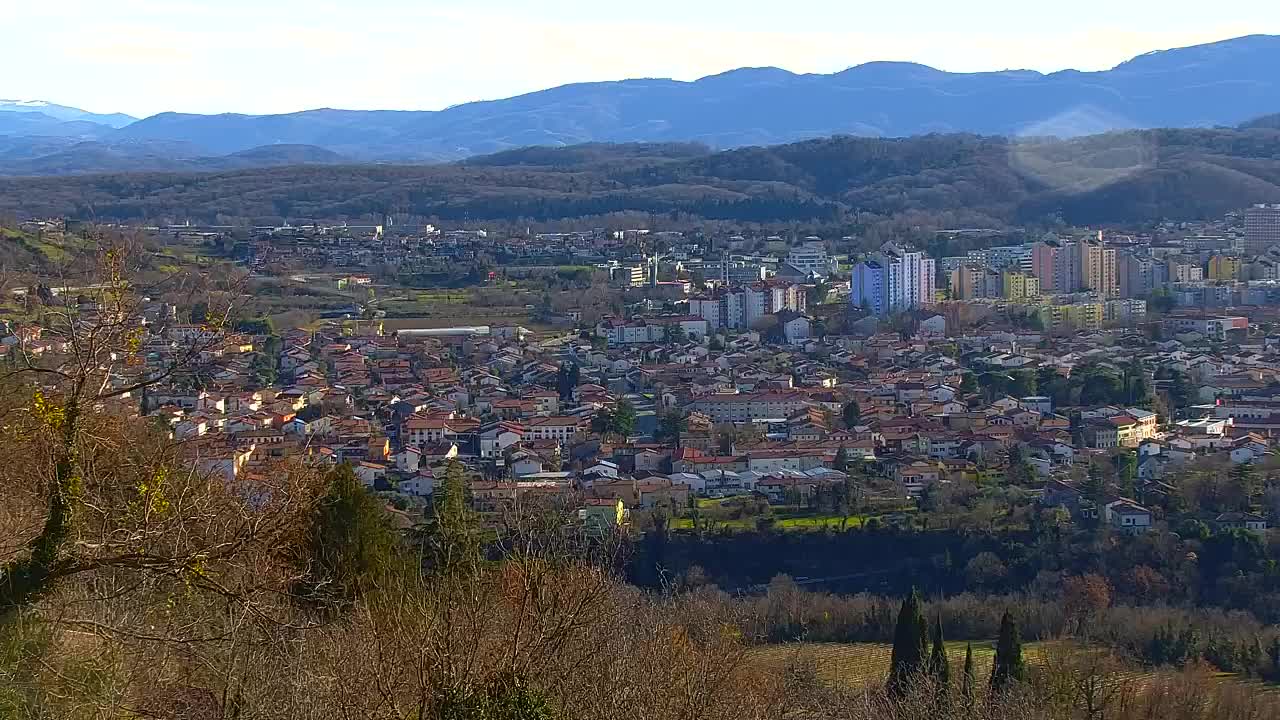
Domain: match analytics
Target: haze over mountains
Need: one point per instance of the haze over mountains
(1219, 84)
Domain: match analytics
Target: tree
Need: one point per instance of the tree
(453, 542)
(351, 546)
(841, 461)
(676, 335)
(1009, 666)
(939, 665)
(1084, 596)
(1024, 383)
(910, 646)
(671, 427)
(851, 414)
(968, 384)
(624, 419)
(1127, 472)
(1094, 487)
(969, 683)
(567, 377)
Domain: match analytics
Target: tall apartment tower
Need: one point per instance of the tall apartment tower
(1261, 228)
(893, 280)
(1098, 269)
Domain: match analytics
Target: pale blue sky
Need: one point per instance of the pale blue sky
(266, 56)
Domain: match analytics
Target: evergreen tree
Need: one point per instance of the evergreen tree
(1009, 666)
(1094, 487)
(841, 462)
(624, 419)
(454, 545)
(910, 645)
(939, 665)
(671, 427)
(851, 414)
(350, 541)
(969, 683)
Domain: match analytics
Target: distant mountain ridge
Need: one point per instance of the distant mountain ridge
(1218, 84)
(63, 112)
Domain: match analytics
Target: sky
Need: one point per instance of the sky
(269, 56)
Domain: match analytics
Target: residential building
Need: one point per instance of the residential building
(867, 287)
(894, 280)
(746, 407)
(1098, 269)
(1057, 264)
(1136, 275)
(1005, 257)
(1213, 327)
(1261, 228)
(967, 282)
(811, 257)
(1019, 285)
(1225, 267)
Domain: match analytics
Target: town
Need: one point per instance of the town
(751, 390)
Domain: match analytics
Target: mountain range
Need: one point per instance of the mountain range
(1218, 84)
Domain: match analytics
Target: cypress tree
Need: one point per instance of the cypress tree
(1009, 666)
(939, 666)
(453, 542)
(969, 683)
(910, 645)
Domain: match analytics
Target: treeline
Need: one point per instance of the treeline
(1228, 569)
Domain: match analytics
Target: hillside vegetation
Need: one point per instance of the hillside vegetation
(840, 182)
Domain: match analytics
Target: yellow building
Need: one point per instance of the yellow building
(1076, 316)
(1224, 267)
(1019, 286)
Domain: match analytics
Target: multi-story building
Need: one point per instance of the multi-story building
(967, 282)
(1057, 264)
(1005, 257)
(740, 308)
(747, 407)
(1019, 285)
(1136, 275)
(1073, 316)
(1125, 312)
(897, 278)
(734, 272)
(650, 330)
(1224, 267)
(1214, 328)
(1098, 269)
(866, 287)
(1261, 228)
(812, 257)
(1181, 271)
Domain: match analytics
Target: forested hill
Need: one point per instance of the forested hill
(842, 181)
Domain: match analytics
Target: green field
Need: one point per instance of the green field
(721, 513)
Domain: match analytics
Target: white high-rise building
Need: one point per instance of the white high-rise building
(911, 281)
(894, 280)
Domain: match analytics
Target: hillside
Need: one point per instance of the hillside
(844, 181)
(1213, 85)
